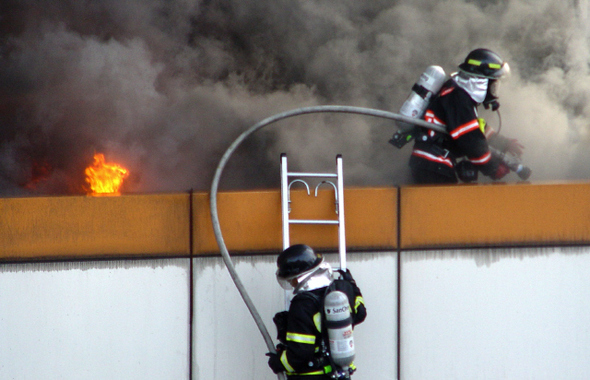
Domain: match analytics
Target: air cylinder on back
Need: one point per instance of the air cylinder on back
(429, 83)
(339, 326)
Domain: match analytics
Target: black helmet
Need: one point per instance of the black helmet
(297, 260)
(485, 63)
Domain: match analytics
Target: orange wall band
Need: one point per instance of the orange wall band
(480, 215)
(251, 221)
(87, 226)
(144, 225)
(430, 217)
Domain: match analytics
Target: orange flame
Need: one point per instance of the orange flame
(105, 178)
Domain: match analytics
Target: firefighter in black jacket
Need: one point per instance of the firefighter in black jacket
(303, 348)
(439, 158)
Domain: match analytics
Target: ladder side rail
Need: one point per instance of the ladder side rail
(341, 229)
(285, 197)
(285, 201)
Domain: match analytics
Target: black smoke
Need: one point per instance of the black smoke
(163, 87)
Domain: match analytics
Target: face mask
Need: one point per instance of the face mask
(476, 87)
(491, 98)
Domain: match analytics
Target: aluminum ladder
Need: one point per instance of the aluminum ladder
(286, 184)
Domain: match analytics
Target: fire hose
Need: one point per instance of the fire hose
(224, 159)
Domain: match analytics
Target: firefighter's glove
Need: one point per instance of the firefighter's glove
(492, 103)
(346, 275)
(280, 320)
(466, 171)
(281, 347)
(514, 147)
(501, 172)
(274, 362)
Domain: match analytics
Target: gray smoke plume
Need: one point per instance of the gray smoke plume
(163, 87)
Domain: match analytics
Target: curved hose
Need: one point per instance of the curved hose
(214, 185)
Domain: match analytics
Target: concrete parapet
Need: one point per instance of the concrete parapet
(88, 226)
(172, 224)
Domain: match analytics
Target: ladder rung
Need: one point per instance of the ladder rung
(313, 221)
(325, 175)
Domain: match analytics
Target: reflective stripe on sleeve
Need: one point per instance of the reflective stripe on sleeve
(430, 117)
(465, 128)
(285, 362)
(317, 321)
(358, 301)
(482, 160)
(301, 338)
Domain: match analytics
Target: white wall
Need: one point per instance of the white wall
(515, 314)
(94, 320)
(473, 314)
(228, 345)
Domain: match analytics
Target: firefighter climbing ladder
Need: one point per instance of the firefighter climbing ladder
(215, 184)
(339, 203)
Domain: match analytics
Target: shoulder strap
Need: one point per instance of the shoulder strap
(346, 288)
(309, 295)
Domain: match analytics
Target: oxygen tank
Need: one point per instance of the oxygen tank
(339, 326)
(429, 83)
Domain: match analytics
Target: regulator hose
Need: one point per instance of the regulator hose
(215, 184)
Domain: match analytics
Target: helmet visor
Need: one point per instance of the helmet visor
(503, 72)
(290, 282)
(286, 284)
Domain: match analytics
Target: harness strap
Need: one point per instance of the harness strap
(434, 145)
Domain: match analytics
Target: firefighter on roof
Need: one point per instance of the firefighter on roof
(464, 151)
(304, 349)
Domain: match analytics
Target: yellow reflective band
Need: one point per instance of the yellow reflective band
(301, 338)
(475, 62)
(286, 362)
(306, 373)
(482, 125)
(358, 301)
(317, 321)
